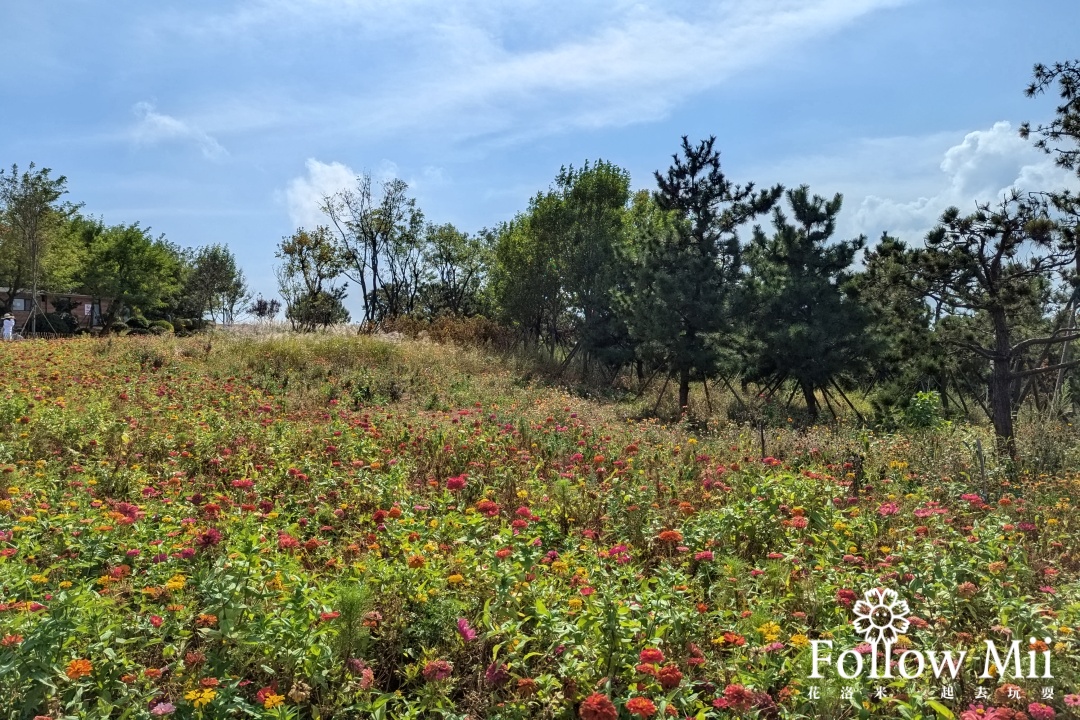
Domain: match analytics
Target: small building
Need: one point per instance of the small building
(87, 311)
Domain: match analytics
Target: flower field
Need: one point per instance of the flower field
(344, 527)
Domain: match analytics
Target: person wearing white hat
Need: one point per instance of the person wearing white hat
(9, 325)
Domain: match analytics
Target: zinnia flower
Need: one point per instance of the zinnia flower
(597, 707)
(1038, 711)
(437, 670)
(78, 668)
(651, 655)
(642, 707)
(466, 632)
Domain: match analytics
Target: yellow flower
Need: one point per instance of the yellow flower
(574, 603)
(799, 641)
(770, 631)
(39, 579)
(455, 579)
(201, 697)
(65, 584)
(176, 582)
(272, 701)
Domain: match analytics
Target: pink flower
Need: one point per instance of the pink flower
(704, 555)
(889, 508)
(1072, 700)
(456, 483)
(466, 632)
(437, 670)
(1038, 711)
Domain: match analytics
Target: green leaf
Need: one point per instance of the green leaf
(941, 710)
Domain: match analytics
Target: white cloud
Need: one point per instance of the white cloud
(902, 185)
(504, 72)
(304, 195)
(632, 68)
(983, 167)
(154, 128)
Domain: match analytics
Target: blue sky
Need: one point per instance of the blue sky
(213, 121)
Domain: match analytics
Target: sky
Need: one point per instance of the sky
(227, 122)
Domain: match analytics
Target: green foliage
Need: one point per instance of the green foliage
(923, 411)
(215, 284)
(687, 262)
(132, 269)
(456, 268)
(306, 279)
(379, 238)
(802, 325)
(33, 246)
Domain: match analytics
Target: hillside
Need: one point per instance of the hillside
(301, 527)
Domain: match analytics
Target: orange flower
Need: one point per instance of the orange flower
(416, 561)
(597, 707)
(78, 668)
(670, 536)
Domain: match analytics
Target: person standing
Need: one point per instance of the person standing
(9, 326)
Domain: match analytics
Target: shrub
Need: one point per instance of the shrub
(924, 410)
(165, 326)
(138, 322)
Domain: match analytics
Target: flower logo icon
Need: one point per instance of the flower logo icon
(881, 616)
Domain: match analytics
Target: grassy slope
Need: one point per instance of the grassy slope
(233, 524)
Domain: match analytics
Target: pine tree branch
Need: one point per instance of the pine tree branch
(974, 348)
(1051, 339)
(1046, 369)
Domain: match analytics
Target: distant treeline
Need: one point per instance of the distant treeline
(704, 278)
(47, 246)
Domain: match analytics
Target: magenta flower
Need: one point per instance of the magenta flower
(466, 632)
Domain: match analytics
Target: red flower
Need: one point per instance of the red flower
(642, 707)
(739, 698)
(597, 707)
(651, 655)
(846, 597)
(670, 677)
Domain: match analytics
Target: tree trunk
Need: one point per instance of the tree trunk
(811, 400)
(684, 388)
(1001, 386)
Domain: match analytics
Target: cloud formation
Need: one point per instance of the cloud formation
(304, 195)
(154, 128)
(508, 72)
(982, 167)
(903, 184)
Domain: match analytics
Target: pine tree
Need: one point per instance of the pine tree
(803, 325)
(687, 263)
